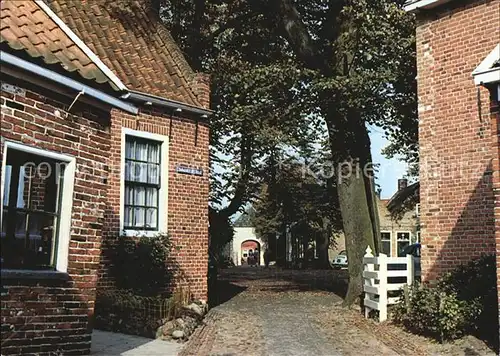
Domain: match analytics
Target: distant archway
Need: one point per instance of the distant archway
(250, 252)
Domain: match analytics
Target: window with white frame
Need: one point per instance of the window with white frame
(417, 237)
(403, 240)
(37, 186)
(144, 182)
(385, 242)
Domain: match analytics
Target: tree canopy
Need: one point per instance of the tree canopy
(285, 74)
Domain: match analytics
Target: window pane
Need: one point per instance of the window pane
(6, 186)
(386, 247)
(140, 196)
(154, 153)
(151, 216)
(128, 216)
(385, 235)
(129, 195)
(128, 170)
(153, 174)
(32, 244)
(38, 187)
(141, 151)
(152, 197)
(139, 217)
(129, 149)
(403, 236)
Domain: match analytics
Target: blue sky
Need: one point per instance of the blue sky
(390, 169)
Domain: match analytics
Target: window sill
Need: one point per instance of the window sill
(140, 233)
(7, 274)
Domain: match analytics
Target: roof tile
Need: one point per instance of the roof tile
(129, 38)
(25, 26)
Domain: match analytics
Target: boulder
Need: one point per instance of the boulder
(180, 322)
(195, 308)
(177, 334)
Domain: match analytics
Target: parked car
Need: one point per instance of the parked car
(341, 260)
(413, 250)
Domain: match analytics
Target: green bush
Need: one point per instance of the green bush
(139, 264)
(125, 312)
(475, 283)
(463, 301)
(431, 312)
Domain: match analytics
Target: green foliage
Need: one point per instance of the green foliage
(139, 264)
(475, 283)
(123, 311)
(463, 301)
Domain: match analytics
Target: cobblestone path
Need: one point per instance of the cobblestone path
(298, 313)
(272, 312)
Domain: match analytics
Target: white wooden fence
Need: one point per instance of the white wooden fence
(376, 283)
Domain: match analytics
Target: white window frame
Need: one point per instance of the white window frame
(64, 235)
(418, 237)
(390, 240)
(162, 193)
(397, 240)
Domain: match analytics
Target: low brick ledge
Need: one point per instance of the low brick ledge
(201, 341)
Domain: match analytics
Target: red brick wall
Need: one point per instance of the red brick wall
(457, 201)
(45, 315)
(495, 129)
(187, 194)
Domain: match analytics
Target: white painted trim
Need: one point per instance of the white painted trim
(163, 192)
(65, 218)
(93, 57)
(485, 73)
(487, 77)
(425, 4)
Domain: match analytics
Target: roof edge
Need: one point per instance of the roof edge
(52, 76)
(424, 5)
(485, 73)
(93, 57)
(150, 99)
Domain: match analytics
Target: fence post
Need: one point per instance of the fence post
(382, 258)
(367, 281)
(410, 269)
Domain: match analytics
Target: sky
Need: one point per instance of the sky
(390, 170)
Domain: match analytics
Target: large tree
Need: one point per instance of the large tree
(279, 67)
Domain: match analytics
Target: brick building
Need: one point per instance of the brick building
(458, 59)
(399, 222)
(104, 132)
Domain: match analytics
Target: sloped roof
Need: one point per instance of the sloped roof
(129, 38)
(245, 219)
(26, 27)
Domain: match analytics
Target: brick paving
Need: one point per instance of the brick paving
(276, 312)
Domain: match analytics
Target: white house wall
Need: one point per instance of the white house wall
(242, 234)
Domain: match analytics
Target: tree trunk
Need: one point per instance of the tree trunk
(322, 245)
(356, 194)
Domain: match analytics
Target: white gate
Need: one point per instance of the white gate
(378, 279)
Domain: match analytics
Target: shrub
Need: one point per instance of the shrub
(463, 301)
(123, 311)
(431, 312)
(140, 264)
(475, 282)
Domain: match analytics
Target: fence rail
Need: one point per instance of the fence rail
(383, 274)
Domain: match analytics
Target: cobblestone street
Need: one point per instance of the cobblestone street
(286, 312)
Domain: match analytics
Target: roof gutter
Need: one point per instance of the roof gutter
(37, 70)
(149, 99)
(424, 5)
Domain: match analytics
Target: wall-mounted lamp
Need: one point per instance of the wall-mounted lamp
(204, 116)
(178, 110)
(148, 103)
